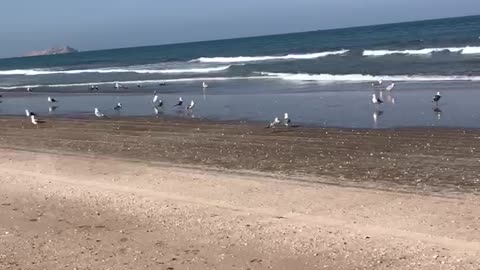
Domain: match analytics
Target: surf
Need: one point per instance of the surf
(364, 77)
(244, 59)
(36, 72)
(424, 51)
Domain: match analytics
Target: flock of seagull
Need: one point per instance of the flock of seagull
(158, 103)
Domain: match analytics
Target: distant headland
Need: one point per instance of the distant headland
(63, 50)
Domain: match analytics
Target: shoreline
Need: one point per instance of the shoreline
(413, 159)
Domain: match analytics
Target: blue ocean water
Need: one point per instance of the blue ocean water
(435, 50)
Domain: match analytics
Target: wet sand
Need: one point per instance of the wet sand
(184, 194)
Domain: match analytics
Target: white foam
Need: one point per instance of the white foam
(365, 78)
(242, 59)
(425, 51)
(34, 72)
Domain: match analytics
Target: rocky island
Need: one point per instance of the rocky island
(51, 51)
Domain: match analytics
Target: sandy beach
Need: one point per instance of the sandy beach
(132, 193)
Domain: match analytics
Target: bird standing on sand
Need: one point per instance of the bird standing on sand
(118, 106)
(286, 120)
(390, 87)
(192, 104)
(117, 86)
(179, 103)
(437, 97)
(376, 100)
(98, 113)
(29, 89)
(51, 100)
(275, 122)
(204, 85)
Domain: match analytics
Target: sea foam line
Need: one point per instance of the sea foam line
(365, 77)
(425, 51)
(241, 59)
(34, 72)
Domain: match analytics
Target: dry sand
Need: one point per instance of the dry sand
(129, 194)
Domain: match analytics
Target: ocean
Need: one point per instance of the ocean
(420, 57)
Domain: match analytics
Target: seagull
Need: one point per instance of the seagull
(192, 104)
(118, 106)
(378, 83)
(139, 85)
(52, 108)
(29, 113)
(34, 121)
(162, 83)
(29, 89)
(98, 113)
(204, 85)
(155, 97)
(52, 100)
(93, 88)
(390, 87)
(286, 120)
(376, 100)
(437, 97)
(275, 122)
(160, 103)
(117, 86)
(180, 102)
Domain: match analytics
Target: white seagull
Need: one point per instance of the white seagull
(117, 86)
(29, 113)
(378, 83)
(160, 103)
(179, 103)
(192, 104)
(275, 122)
(437, 97)
(51, 100)
(286, 120)
(155, 97)
(390, 87)
(376, 100)
(118, 106)
(204, 85)
(98, 113)
(29, 89)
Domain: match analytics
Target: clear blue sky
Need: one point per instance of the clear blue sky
(101, 24)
